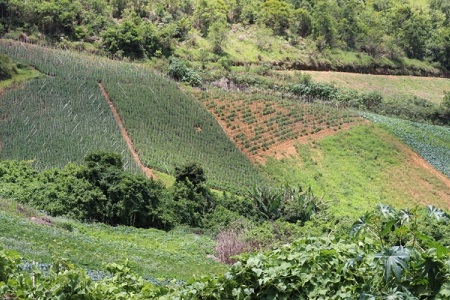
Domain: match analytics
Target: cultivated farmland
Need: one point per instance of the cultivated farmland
(259, 122)
(430, 141)
(391, 87)
(168, 127)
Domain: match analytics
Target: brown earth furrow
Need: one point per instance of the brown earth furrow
(147, 171)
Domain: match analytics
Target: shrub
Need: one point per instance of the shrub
(179, 71)
(230, 243)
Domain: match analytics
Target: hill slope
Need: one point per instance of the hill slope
(360, 168)
(167, 127)
(153, 253)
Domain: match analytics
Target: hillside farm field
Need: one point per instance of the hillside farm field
(359, 168)
(152, 253)
(428, 88)
(430, 141)
(55, 121)
(65, 110)
(258, 123)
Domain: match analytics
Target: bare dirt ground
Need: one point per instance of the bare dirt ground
(147, 171)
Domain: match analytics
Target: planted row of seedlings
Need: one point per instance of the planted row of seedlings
(256, 121)
(168, 128)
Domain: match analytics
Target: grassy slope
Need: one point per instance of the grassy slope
(154, 253)
(359, 168)
(428, 88)
(430, 141)
(23, 75)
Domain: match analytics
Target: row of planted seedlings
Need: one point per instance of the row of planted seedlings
(258, 121)
(167, 127)
(54, 121)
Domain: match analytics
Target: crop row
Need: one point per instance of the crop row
(168, 127)
(257, 121)
(55, 122)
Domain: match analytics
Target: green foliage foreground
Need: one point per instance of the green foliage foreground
(386, 256)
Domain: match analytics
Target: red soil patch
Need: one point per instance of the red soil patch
(147, 171)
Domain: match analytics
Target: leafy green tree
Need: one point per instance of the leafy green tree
(324, 24)
(439, 47)
(301, 22)
(217, 34)
(191, 172)
(276, 14)
(416, 31)
(131, 37)
(250, 9)
(208, 12)
(192, 199)
(350, 26)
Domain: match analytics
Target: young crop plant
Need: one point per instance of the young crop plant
(267, 116)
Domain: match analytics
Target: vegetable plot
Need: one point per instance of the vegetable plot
(168, 128)
(256, 122)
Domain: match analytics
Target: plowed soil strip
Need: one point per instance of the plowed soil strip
(148, 172)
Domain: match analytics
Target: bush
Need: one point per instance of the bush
(179, 71)
(101, 191)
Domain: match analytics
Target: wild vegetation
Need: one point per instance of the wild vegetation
(374, 36)
(387, 253)
(105, 231)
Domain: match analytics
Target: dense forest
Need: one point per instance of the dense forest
(144, 28)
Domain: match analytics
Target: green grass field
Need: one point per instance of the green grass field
(158, 254)
(429, 88)
(357, 169)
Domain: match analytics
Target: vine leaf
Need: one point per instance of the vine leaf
(437, 213)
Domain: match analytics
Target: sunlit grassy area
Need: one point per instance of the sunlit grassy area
(429, 88)
(358, 169)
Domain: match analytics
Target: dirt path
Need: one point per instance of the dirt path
(147, 171)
